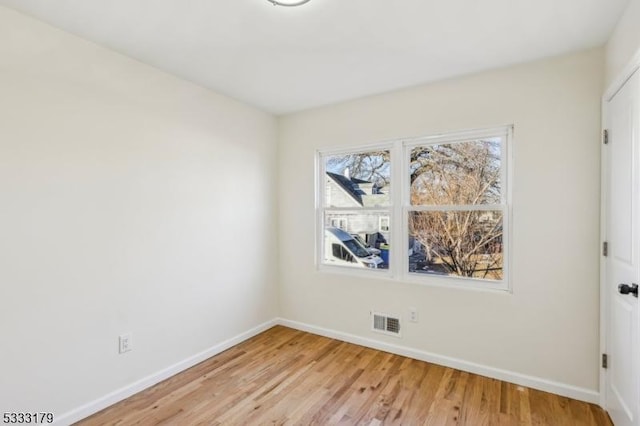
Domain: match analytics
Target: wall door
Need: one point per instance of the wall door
(621, 186)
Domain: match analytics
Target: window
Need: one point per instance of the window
(384, 223)
(355, 194)
(454, 205)
(339, 222)
(340, 252)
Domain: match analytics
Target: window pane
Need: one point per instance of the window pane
(459, 173)
(457, 243)
(354, 238)
(358, 180)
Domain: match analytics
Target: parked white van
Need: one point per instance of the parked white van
(340, 248)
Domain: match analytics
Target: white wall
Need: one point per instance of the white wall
(624, 42)
(130, 201)
(548, 327)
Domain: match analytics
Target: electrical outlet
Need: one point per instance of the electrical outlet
(125, 343)
(413, 314)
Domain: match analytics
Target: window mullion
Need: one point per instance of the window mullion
(397, 221)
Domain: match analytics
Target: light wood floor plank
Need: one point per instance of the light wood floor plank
(289, 377)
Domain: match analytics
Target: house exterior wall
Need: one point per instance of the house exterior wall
(362, 223)
(358, 221)
(338, 197)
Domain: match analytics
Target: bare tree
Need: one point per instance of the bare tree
(443, 178)
(370, 166)
(465, 242)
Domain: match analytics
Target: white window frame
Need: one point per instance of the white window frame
(401, 206)
(506, 135)
(321, 208)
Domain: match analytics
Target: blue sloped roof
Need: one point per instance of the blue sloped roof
(349, 185)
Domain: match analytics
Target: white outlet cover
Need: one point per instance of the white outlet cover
(125, 343)
(413, 314)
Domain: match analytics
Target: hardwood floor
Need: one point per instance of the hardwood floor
(285, 376)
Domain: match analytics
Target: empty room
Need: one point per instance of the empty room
(355, 212)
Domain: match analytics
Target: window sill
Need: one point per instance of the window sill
(454, 283)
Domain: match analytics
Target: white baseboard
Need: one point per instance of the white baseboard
(142, 384)
(118, 395)
(557, 388)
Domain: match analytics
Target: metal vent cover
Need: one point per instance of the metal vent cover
(386, 324)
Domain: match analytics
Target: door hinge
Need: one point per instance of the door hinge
(605, 136)
(604, 361)
(605, 248)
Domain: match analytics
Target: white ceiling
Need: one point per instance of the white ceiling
(285, 59)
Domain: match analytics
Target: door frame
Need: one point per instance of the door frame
(611, 91)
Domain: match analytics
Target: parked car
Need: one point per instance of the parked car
(362, 242)
(341, 248)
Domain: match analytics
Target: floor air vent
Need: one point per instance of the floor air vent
(387, 324)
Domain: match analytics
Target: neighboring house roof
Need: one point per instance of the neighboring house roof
(359, 181)
(350, 186)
